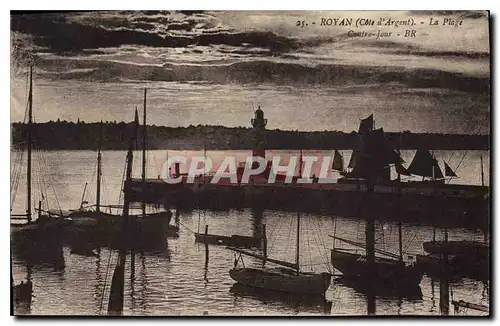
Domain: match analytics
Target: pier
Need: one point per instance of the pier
(466, 205)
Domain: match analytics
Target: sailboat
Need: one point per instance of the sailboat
(338, 162)
(425, 164)
(372, 163)
(286, 278)
(46, 228)
(93, 215)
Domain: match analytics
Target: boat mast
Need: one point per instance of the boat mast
(83, 195)
(30, 122)
(297, 251)
(370, 237)
(482, 171)
(435, 195)
(400, 229)
(204, 162)
(300, 164)
(143, 204)
(99, 172)
(115, 304)
(370, 223)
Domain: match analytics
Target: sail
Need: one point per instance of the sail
(376, 156)
(366, 125)
(400, 169)
(136, 118)
(354, 157)
(423, 165)
(338, 161)
(448, 171)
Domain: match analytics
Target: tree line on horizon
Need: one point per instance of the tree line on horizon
(55, 135)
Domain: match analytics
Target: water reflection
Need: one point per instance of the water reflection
(409, 293)
(45, 257)
(299, 303)
(171, 276)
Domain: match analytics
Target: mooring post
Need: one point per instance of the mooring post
(39, 208)
(206, 245)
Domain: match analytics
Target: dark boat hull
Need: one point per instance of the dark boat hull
(42, 232)
(467, 206)
(468, 248)
(458, 267)
(112, 223)
(387, 271)
(312, 284)
(237, 241)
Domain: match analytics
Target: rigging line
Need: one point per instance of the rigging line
(122, 183)
(466, 151)
(320, 234)
(308, 247)
(318, 238)
(280, 221)
(40, 172)
(17, 177)
(325, 251)
(15, 169)
(410, 241)
(37, 180)
(26, 109)
(278, 227)
(290, 228)
(184, 226)
(51, 185)
(272, 232)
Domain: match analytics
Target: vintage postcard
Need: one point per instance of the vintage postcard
(250, 163)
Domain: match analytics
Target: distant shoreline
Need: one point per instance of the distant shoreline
(62, 135)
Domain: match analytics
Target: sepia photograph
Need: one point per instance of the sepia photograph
(250, 163)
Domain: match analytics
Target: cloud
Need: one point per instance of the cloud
(62, 33)
(263, 71)
(411, 49)
(471, 14)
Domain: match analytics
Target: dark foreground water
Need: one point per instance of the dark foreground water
(172, 277)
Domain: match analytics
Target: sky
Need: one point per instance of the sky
(215, 67)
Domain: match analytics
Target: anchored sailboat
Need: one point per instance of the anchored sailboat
(93, 215)
(46, 227)
(372, 163)
(287, 278)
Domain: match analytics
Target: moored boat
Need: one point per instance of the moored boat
(282, 279)
(93, 216)
(287, 278)
(46, 229)
(463, 247)
(372, 162)
(384, 270)
(238, 241)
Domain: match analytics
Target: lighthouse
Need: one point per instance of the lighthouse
(259, 134)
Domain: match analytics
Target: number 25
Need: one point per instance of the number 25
(300, 23)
